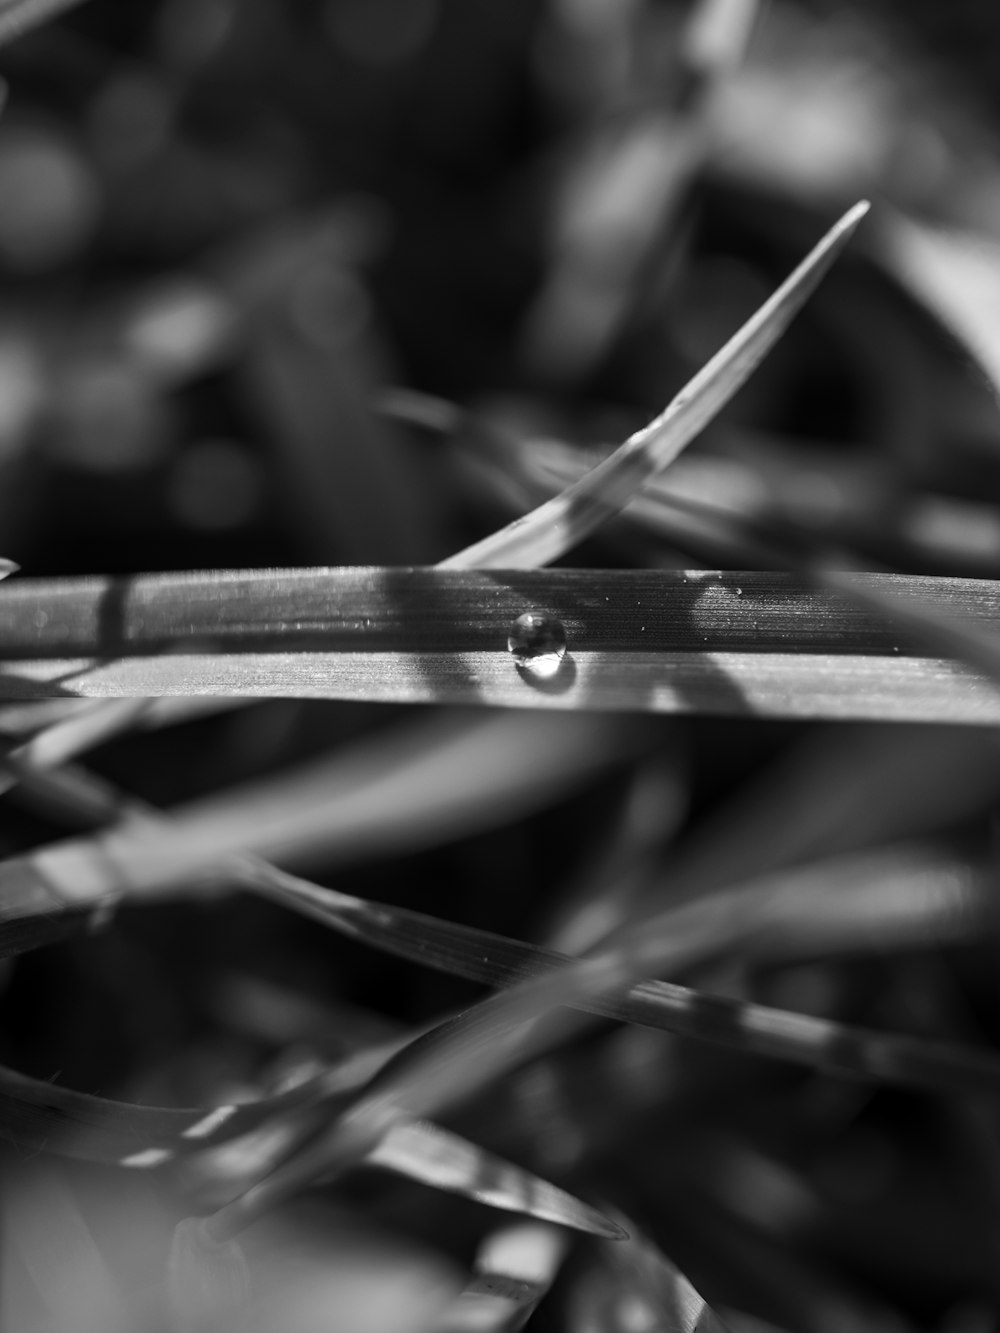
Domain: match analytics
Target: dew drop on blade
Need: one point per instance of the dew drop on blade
(537, 643)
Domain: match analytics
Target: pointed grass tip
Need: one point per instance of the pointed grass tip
(852, 217)
(8, 567)
(610, 1229)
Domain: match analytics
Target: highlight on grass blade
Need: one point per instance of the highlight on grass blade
(555, 527)
(515, 1267)
(422, 1151)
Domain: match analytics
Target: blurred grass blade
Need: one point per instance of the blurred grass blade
(562, 523)
(355, 492)
(408, 789)
(445, 1065)
(515, 1267)
(88, 726)
(37, 1115)
(717, 36)
(952, 274)
(653, 1291)
(8, 567)
(821, 912)
(20, 16)
(422, 1151)
(620, 215)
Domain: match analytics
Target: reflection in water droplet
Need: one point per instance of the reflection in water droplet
(537, 643)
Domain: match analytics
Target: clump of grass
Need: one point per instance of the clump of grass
(678, 950)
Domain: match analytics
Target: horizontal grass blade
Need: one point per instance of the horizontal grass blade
(646, 641)
(557, 526)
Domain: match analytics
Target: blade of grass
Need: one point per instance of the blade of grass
(651, 1288)
(18, 17)
(88, 726)
(505, 1031)
(619, 223)
(399, 792)
(874, 900)
(515, 1267)
(951, 906)
(949, 898)
(413, 611)
(815, 910)
(953, 275)
(562, 523)
(424, 1152)
(37, 1115)
(836, 1048)
(654, 641)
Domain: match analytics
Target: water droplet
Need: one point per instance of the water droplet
(537, 643)
(739, 592)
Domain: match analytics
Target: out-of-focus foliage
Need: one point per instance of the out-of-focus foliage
(347, 281)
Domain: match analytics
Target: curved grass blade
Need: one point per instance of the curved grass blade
(560, 524)
(836, 1048)
(36, 1115)
(516, 1025)
(807, 906)
(508, 1029)
(424, 1152)
(647, 1290)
